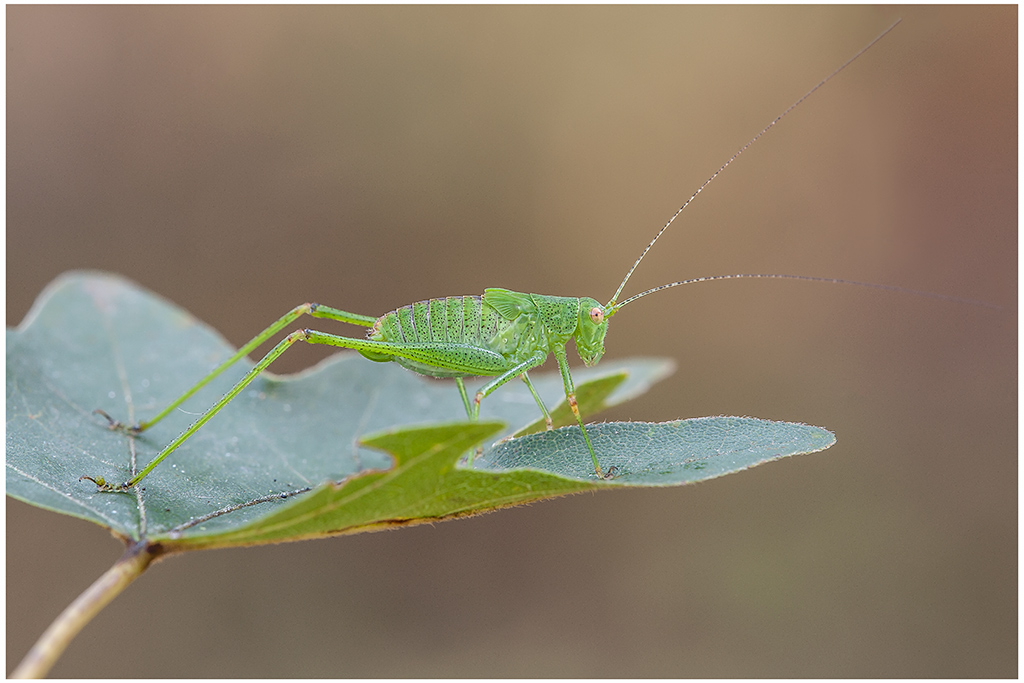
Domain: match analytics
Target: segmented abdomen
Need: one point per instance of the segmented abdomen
(460, 319)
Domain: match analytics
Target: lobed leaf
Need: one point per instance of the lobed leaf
(290, 457)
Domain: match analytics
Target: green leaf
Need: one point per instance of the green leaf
(97, 341)
(426, 484)
(662, 453)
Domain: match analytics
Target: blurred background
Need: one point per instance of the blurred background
(242, 160)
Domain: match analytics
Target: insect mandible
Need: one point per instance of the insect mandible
(502, 334)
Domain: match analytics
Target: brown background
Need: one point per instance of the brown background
(242, 160)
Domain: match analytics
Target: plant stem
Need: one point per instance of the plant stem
(55, 639)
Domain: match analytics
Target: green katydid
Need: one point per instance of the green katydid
(501, 334)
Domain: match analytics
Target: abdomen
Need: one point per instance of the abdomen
(454, 319)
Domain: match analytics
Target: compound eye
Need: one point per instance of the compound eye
(597, 315)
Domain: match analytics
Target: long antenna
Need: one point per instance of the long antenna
(837, 281)
(611, 307)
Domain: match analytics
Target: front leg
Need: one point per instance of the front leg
(570, 396)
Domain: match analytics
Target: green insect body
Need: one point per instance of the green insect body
(502, 334)
(489, 335)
